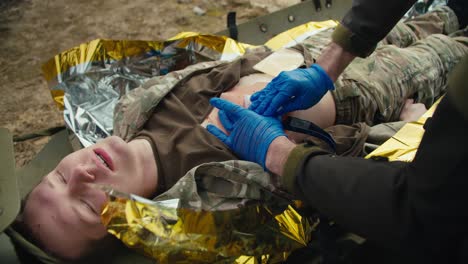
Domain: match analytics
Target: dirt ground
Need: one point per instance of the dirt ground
(33, 31)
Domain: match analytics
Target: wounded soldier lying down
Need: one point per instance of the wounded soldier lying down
(62, 213)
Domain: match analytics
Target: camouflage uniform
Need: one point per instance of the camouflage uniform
(416, 65)
(224, 186)
(134, 109)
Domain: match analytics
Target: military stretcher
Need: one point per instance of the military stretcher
(256, 31)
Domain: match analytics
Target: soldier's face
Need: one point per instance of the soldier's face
(63, 211)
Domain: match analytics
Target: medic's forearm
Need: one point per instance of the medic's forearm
(368, 22)
(334, 59)
(365, 24)
(278, 153)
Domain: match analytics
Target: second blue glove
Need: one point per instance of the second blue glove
(292, 90)
(250, 134)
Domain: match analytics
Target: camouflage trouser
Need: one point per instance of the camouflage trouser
(416, 65)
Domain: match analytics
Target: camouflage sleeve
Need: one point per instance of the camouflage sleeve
(136, 107)
(368, 22)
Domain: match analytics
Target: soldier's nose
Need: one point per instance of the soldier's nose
(78, 178)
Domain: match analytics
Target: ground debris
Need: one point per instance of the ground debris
(199, 11)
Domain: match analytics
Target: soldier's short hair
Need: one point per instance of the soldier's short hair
(30, 250)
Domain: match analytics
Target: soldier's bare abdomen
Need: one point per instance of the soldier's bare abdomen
(322, 114)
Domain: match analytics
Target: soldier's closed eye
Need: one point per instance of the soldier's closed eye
(61, 177)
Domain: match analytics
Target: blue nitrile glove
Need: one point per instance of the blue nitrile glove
(292, 90)
(250, 134)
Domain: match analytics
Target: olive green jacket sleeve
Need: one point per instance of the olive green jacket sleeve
(459, 88)
(368, 22)
(418, 206)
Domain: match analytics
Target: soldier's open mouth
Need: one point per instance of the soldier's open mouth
(104, 158)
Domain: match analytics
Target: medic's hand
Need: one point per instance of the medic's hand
(250, 134)
(292, 90)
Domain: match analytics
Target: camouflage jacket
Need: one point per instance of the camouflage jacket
(135, 108)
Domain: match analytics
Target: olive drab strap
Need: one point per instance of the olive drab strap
(309, 128)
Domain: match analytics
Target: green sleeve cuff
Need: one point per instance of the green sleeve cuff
(294, 163)
(458, 90)
(351, 42)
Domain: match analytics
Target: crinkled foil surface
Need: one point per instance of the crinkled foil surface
(404, 144)
(88, 80)
(170, 234)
